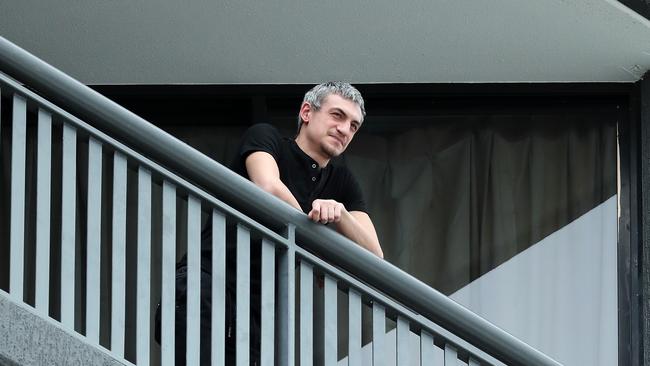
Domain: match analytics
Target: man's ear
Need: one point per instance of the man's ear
(305, 111)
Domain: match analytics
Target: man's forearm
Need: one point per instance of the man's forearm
(355, 225)
(263, 171)
(281, 191)
(359, 228)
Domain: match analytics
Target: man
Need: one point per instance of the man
(306, 173)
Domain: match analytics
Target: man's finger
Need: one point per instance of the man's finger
(337, 213)
(323, 214)
(330, 214)
(315, 211)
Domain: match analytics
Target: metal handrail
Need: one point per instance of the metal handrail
(240, 193)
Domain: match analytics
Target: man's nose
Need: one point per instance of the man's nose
(344, 128)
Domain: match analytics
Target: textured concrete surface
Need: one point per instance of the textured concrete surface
(363, 41)
(27, 339)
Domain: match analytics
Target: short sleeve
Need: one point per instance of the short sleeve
(352, 197)
(261, 137)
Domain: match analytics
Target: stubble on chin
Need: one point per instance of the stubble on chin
(331, 151)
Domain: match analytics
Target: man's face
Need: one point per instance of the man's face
(331, 128)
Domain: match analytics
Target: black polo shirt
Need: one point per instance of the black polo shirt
(299, 172)
(306, 180)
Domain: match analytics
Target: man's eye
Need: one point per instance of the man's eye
(354, 127)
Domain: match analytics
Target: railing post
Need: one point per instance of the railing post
(118, 275)
(354, 327)
(330, 346)
(193, 312)
(378, 334)
(68, 225)
(286, 316)
(17, 217)
(306, 342)
(93, 241)
(268, 304)
(168, 290)
(242, 314)
(43, 207)
(218, 288)
(143, 307)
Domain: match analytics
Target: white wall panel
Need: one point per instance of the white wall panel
(559, 295)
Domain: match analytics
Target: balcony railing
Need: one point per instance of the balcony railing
(131, 198)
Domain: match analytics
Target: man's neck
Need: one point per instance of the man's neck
(312, 152)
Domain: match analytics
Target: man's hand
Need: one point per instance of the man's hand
(355, 225)
(326, 211)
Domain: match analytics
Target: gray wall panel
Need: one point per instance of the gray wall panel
(560, 295)
(303, 42)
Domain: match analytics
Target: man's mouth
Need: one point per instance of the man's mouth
(339, 140)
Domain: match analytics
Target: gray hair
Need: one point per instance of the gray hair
(317, 94)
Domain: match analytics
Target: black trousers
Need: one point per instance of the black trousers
(206, 320)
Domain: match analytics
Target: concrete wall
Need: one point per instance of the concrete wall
(288, 41)
(26, 339)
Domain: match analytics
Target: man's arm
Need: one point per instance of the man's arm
(355, 225)
(263, 171)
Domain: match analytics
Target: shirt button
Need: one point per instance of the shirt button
(313, 166)
(313, 179)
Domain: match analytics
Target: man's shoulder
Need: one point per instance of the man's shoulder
(263, 129)
(263, 135)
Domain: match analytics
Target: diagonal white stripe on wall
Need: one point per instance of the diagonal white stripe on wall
(559, 295)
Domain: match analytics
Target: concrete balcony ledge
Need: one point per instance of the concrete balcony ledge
(28, 339)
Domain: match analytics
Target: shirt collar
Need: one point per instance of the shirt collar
(307, 160)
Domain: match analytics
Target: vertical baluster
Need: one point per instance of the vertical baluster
(143, 328)
(168, 290)
(403, 342)
(118, 297)
(193, 281)
(68, 204)
(218, 288)
(378, 333)
(330, 322)
(473, 362)
(354, 327)
(17, 228)
(306, 313)
(439, 359)
(43, 193)
(243, 296)
(451, 357)
(268, 303)
(427, 354)
(93, 239)
(286, 301)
